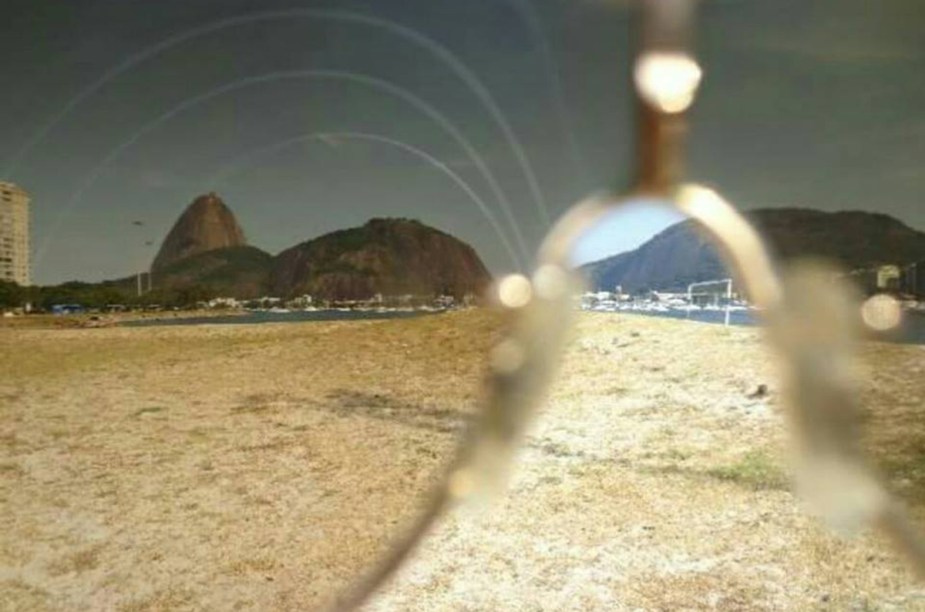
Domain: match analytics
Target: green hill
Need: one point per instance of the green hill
(241, 272)
(387, 256)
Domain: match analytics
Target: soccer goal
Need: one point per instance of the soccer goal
(711, 295)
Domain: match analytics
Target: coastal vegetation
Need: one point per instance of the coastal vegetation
(98, 296)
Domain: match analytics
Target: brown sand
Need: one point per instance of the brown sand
(259, 467)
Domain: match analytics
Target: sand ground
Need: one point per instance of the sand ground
(260, 467)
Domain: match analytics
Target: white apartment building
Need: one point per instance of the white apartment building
(15, 264)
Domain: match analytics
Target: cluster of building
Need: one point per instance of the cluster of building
(710, 295)
(307, 302)
(905, 281)
(15, 262)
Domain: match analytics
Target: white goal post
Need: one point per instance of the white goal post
(721, 281)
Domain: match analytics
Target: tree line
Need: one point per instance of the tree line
(101, 295)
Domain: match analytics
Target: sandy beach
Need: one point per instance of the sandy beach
(261, 466)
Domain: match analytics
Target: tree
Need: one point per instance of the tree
(11, 295)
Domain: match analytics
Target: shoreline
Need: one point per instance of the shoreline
(101, 320)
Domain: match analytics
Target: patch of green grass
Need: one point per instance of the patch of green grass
(675, 454)
(911, 466)
(76, 563)
(273, 445)
(163, 599)
(20, 595)
(11, 468)
(906, 470)
(150, 410)
(256, 565)
(755, 470)
(256, 402)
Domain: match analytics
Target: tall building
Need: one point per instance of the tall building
(15, 264)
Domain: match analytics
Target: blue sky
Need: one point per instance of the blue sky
(623, 230)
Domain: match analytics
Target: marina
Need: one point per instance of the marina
(911, 331)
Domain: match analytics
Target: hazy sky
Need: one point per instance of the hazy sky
(122, 110)
(623, 230)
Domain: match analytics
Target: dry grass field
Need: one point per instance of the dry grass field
(259, 467)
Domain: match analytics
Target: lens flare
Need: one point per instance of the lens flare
(882, 313)
(461, 483)
(551, 282)
(668, 81)
(508, 356)
(515, 291)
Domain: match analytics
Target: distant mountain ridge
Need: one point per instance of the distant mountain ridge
(206, 249)
(682, 254)
(384, 256)
(855, 239)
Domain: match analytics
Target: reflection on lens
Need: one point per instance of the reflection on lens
(658, 454)
(241, 429)
(893, 384)
(647, 259)
(668, 80)
(882, 313)
(515, 291)
(508, 356)
(658, 465)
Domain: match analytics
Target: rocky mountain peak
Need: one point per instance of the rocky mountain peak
(207, 224)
